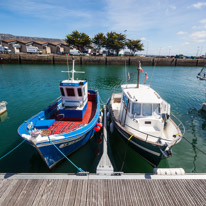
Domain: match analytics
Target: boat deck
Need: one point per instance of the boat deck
(67, 189)
(65, 125)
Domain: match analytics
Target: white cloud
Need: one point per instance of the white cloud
(199, 5)
(143, 39)
(185, 43)
(181, 33)
(203, 21)
(199, 36)
(172, 7)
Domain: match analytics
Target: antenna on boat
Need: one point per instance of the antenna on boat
(125, 68)
(73, 71)
(68, 66)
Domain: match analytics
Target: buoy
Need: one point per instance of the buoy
(111, 127)
(99, 140)
(97, 128)
(97, 152)
(99, 124)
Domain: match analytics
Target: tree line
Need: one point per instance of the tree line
(112, 41)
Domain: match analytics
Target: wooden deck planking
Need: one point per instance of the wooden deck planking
(56, 193)
(163, 200)
(7, 192)
(116, 192)
(197, 190)
(26, 193)
(84, 192)
(78, 193)
(62, 192)
(67, 192)
(102, 192)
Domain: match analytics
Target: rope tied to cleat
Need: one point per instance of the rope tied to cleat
(78, 168)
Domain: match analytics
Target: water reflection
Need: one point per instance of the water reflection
(4, 116)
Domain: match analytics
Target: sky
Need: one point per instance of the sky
(165, 27)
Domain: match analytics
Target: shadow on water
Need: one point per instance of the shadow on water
(125, 158)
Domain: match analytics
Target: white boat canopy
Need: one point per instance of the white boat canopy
(143, 94)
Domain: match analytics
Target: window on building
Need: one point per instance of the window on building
(136, 108)
(62, 91)
(70, 92)
(147, 109)
(79, 92)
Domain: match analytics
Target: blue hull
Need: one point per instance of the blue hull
(67, 142)
(52, 156)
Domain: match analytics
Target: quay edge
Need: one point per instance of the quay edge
(108, 60)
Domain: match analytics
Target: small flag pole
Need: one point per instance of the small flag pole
(138, 74)
(145, 78)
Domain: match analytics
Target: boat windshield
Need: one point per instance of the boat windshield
(136, 109)
(147, 109)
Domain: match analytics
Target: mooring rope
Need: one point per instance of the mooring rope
(125, 154)
(101, 101)
(13, 149)
(79, 169)
(194, 145)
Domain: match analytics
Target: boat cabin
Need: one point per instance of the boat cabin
(74, 95)
(143, 108)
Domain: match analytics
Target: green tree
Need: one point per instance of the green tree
(99, 39)
(134, 45)
(80, 40)
(115, 41)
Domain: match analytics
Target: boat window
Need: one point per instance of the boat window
(84, 90)
(156, 108)
(136, 108)
(129, 107)
(70, 92)
(62, 91)
(147, 109)
(123, 98)
(125, 103)
(80, 92)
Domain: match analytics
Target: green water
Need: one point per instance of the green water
(30, 88)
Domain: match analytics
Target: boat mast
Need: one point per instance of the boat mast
(73, 70)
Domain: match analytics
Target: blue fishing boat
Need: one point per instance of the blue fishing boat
(67, 124)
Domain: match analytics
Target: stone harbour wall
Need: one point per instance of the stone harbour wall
(110, 60)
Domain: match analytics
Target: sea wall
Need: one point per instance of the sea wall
(110, 60)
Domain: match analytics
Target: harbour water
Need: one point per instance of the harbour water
(30, 88)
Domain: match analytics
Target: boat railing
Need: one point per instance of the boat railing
(148, 135)
(54, 101)
(179, 126)
(177, 122)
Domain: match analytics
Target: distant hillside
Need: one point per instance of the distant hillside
(26, 38)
